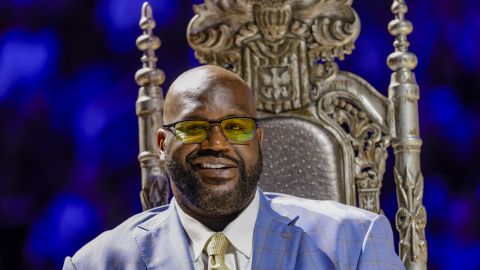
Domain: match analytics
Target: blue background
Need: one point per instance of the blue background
(68, 129)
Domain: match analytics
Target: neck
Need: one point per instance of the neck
(215, 223)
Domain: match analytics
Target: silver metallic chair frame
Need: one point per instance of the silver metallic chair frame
(286, 51)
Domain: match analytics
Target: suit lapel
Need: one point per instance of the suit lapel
(276, 239)
(162, 242)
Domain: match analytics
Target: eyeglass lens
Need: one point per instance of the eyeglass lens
(234, 129)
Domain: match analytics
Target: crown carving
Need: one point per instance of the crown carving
(272, 20)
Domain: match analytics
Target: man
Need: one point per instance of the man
(219, 219)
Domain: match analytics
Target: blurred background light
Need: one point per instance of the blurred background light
(119, 18)
(455, 122)
(68, 221)
(26, 60)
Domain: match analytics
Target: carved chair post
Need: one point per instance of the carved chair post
(411, 217)
(149, 108)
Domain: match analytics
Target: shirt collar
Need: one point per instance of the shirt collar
(239, 232)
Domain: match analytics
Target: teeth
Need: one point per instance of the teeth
(212, 166)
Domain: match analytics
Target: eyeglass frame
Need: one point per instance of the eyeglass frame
(171, 127)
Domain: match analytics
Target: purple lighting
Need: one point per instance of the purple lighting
(26, 59)
(64, 226)
(119, 18)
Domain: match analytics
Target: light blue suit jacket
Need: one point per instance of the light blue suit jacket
(290, 233)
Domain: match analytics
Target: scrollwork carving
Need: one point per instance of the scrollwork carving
(369, 144)
(411, 218)
(155, 192)
(284, 43)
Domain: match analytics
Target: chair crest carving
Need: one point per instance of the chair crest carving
(282, 48)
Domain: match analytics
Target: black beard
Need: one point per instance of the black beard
(193, 190)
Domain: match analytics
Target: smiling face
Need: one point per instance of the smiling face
(214, 177)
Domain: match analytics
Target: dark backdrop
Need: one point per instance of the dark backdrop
(68, 129)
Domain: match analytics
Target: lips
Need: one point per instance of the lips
(212, 163)
(211, 166)
(215, 171)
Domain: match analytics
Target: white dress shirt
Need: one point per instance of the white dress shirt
(239, 233)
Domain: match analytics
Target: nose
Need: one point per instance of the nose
(216, 141)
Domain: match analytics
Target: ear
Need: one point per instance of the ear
(161, 136)
(260, 135)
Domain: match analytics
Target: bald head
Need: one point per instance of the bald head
(204, 89)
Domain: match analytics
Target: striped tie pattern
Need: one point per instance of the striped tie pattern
(216, 246)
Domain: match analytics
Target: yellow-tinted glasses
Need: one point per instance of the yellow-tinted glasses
(236, 129)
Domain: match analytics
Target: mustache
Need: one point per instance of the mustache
(212, 153)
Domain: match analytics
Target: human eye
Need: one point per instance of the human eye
(192, 127)
(234, 127)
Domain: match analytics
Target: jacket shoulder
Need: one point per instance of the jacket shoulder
(346, 234)
(319, 213)
(117, 246)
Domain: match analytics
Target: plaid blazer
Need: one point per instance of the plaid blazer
(290, 233)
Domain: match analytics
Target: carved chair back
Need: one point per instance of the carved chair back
(326, 130)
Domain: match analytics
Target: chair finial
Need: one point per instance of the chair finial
(146, 21)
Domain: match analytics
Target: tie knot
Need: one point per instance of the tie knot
(217, 244)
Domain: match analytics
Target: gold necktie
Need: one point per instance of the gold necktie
(216, 246)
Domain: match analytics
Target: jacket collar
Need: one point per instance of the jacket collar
(163, 244)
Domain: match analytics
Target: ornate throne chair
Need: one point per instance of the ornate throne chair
(326, 130)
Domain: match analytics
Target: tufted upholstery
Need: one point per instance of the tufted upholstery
(302, 159)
